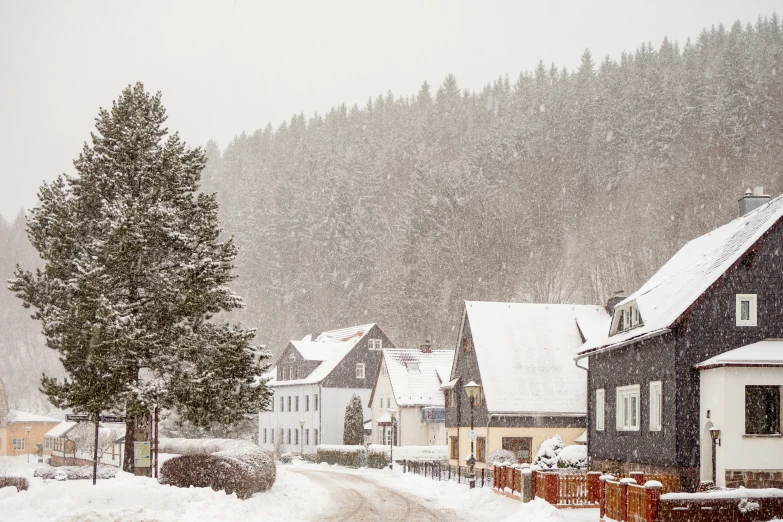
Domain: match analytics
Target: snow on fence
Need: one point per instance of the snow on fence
(565, 488)
(437, 470)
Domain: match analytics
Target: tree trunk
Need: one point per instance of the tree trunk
(130, 437)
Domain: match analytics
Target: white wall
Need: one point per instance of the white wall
(333, 415)
(285, 420)
(723, 394)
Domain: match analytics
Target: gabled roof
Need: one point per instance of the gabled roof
(61, 429)
(526, 353)
(329, 347)
(768, 352)
(668, 294)
(421, 386)
(23, 416)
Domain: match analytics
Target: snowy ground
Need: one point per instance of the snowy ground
(301, 492)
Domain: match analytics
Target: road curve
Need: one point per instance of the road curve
(358, 499)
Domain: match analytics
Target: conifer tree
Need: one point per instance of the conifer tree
(133, 277)
(353, 429)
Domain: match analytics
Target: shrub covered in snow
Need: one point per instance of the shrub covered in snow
(242, 471)
(501, 457)
(20, 483)
(573, 457)
(201, 446)
(548, 452)
(354, 456)
(286, 458)
(75, 472)
(353, 429)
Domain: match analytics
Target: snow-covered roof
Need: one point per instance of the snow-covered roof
(689, 273)
(384, 419)
(768, 352)
(526, 355)
(23, 416)
(581, 439)
(329, 347)
(414, 375)
(61, 429)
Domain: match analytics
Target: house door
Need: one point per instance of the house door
(521, 447)
(706, 452)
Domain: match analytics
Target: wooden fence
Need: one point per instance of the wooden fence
(561, 489)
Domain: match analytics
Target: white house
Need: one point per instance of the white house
(409, 383)
(72, 443)
(313, 380)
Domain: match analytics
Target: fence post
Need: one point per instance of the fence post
(602, 494)
(593, 486)
(534, 480)
(449, 472)
(624, 497)
(527, 484)
(638, 476)
(653, 490)
(459, 475)
(550, 488)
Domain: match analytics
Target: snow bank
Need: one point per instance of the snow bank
(537, 509)
(201, 446)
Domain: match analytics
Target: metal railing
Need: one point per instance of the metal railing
(437, 470)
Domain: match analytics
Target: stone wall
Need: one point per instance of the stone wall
(750, 478)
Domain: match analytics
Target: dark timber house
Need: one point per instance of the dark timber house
(696, 349)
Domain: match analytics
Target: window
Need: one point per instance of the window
(656, 406)
(746, 310)
(477, 401)
(292, 356)
(388, 402)
(307, 437)
(315, 404)
(413, 367)
(380, 434)
(47, 443)
(453, 448)
(467, 344)
(289, 435)
(628, 408)
(481, 449)
(296, 436)
(375, 344)
(450, 399)
(384, 371)
(285, 373)
(521, 447)
(272, 435)
(315, 437)
(289, 403)
(360, 370)
(762, 410)
(600, 409)
(272, 405)
(18, 444)
(264, 435)
(296, 403)
(307, 403)
(282, 403)
(282, 431)
(380, 403)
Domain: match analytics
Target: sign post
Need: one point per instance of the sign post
(141, 454)
(472, 434)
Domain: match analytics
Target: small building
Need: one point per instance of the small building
(409, 383)
(694, 350)
(24, 432)
(522, 357)
(73, 443)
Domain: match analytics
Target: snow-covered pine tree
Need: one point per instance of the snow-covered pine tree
(133, 275)
(353, 429)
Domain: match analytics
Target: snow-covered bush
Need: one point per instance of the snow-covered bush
(75, 472)
(353, 428)
(242, 471)
(573, 457)
(501, 457)
(201, 446)
(20, 483)
(376, 459)
(286, 458)
(548, 452)
(354, 456)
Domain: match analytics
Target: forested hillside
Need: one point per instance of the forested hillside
(555, 186)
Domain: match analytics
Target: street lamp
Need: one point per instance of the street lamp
(715, 436)
(301, 438)
(472, 390)
(392, 412)
(27, 443)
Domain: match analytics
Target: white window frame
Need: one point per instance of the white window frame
(656, 406)
(627, 395)
(285, 374)
(375, 344)
(292, 356)
(384, 371)
(47, 443)
(19, 444)
(752, 309)
(600, 409)
(360, 370)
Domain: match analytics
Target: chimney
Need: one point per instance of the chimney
(618, 296)
(752, 200)
(426, 347)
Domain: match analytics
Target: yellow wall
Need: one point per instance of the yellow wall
(18, 430)
(3, 438)
(495, 439)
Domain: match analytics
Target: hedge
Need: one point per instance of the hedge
(20, 483)
(242, 471)
(75, 472)
(351, 456)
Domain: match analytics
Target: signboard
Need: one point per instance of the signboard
(472, 434)
(77, 417)
(141, 454)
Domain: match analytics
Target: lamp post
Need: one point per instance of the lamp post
(392, 412)
(472, 390)
(715, 436)
(27, 443)
(301, 437)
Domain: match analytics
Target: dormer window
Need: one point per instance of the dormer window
(627, 317)
(413, 367)
(292, 357)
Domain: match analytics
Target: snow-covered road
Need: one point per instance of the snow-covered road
(359, 498)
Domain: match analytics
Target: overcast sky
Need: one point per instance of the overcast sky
(232, 66)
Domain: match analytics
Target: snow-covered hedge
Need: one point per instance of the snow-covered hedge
(548, 452)
(413, 452)
(501, 457)
(351, 456)
(20, 483)
(573, 457)
(75, 472)
(242, 471)
(201, 446)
